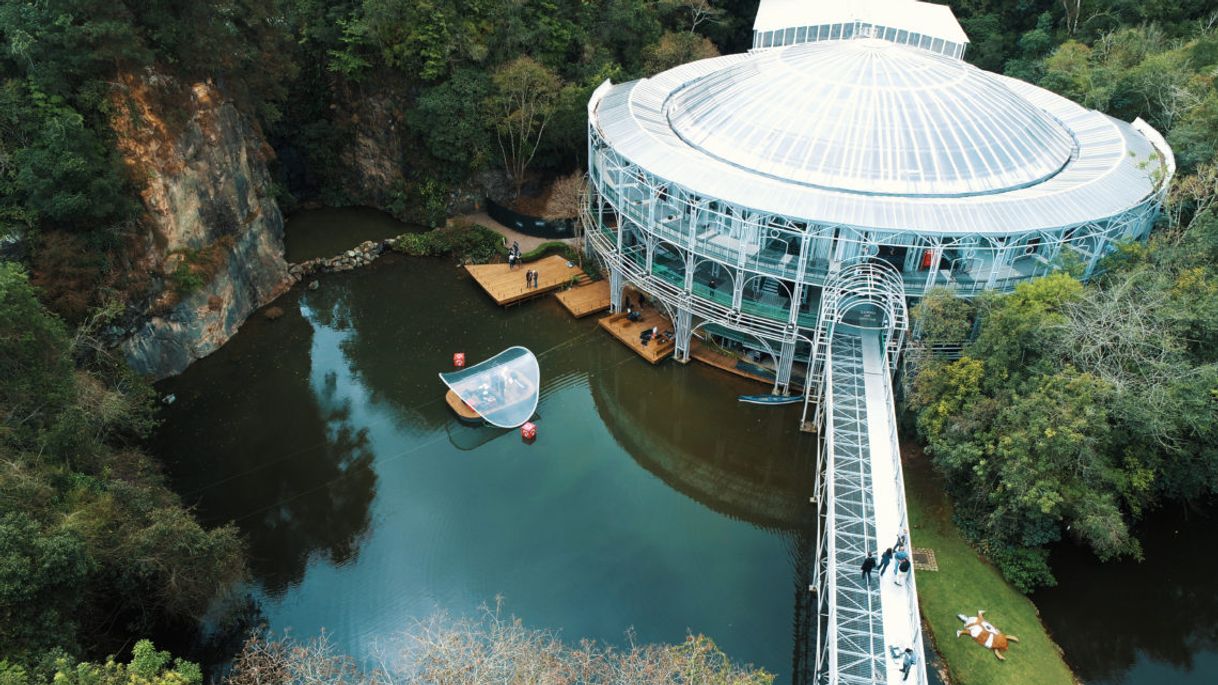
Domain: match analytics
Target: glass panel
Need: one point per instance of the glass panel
(502, 389)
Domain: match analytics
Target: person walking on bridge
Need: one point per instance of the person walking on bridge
(908, 659)
(900, 556)
(868, 564)
(885, 560)
(902, 571)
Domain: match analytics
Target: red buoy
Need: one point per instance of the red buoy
(459, 359)
(528, 431)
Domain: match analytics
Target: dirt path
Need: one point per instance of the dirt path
(527, 242)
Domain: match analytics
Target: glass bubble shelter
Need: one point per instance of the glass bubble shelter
(503, 390)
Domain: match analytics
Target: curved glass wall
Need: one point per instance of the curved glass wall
(680, 229)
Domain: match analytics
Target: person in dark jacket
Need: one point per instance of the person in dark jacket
(885, 560)
(868, 564)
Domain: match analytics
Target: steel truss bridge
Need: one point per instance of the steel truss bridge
(860, 489)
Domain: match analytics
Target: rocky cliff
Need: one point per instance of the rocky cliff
(211, 242)
(375, 158)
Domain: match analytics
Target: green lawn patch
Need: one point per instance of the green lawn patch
(965, 583)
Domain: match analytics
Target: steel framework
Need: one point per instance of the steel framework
(798, 196)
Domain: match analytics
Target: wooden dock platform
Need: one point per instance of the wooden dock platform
(585, 299)
(628, 332)
(507, 286)
(707, 354)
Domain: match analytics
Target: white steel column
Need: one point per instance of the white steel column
(615, 288)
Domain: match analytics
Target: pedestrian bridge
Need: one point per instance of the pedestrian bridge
(860, 489)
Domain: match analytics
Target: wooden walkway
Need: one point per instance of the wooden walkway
(707, 354)
(585, 299)
(507, 286)
(628, 332)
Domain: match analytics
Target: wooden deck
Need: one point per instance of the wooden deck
(628, 332)
(585, 299)
(507, 286)
(462, 410)
(707, 354)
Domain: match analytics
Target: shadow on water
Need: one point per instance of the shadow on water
(651, 499)
(1140, 623)
(327, 232)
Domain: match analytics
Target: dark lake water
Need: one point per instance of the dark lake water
(327, 232)
(1141, 623)
(650, 500)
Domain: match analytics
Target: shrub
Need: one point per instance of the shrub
(467, 242)
(490, 648)
(184, 280)
(552, 247)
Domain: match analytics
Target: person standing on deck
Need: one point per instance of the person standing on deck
(528, 278)
(868, 564)
(885, 560)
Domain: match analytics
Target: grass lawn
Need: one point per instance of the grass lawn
(965, 583)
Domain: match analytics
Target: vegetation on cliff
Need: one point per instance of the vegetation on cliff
(93, 546)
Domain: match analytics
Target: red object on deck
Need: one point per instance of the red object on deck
(459, 359)
(528, 431)
(927, 257)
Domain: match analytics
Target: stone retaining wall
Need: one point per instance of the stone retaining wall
(361, 255)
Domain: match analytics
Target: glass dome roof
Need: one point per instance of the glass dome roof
(870, 116)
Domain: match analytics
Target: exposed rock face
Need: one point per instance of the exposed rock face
(213, 236)
(374, 155)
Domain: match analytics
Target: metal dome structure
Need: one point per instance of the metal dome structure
(869, 116)
(732, 189)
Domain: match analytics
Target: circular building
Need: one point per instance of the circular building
(731, 190)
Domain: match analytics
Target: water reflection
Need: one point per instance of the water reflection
(229, 449)
(1143, 622)
(744, 461)
(325, 436)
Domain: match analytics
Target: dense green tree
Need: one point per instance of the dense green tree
(34, 360)
(676, 48)
(148, 666)
(941, 317)
(521, 107)
(451, 120)
(42, 582)
(90, 538)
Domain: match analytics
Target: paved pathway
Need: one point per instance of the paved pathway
(527, 242)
